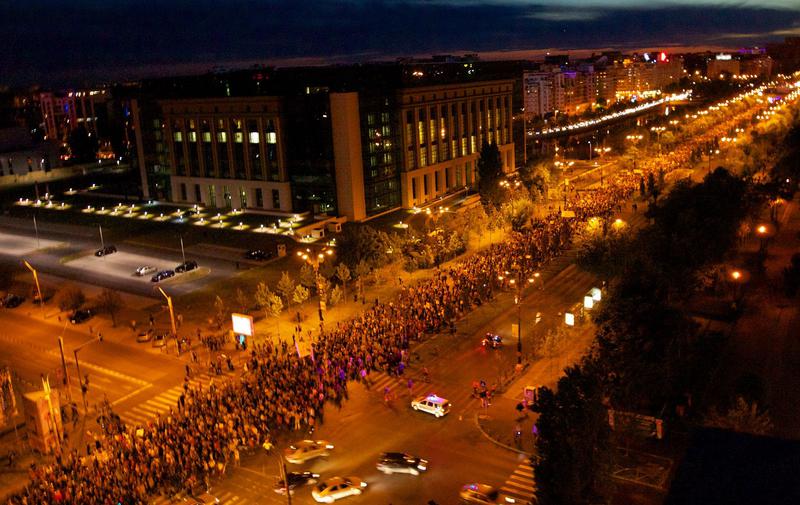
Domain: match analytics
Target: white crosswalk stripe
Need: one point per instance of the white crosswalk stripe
(520, 485)
(160, 404)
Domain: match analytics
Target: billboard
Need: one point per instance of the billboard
(242, 324)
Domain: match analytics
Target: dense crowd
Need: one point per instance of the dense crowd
(281, 391)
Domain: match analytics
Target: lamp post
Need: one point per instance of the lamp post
(38, 287)
(314, 261)
(84, 385)
(519, 282)
(171, 315)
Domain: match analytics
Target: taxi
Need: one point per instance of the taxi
(432, 404)
(304, 450)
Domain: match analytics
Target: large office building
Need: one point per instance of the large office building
(350, 141)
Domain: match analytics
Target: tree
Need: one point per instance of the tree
(110, 302)
(490, 171)
(300, 294)
(242, 300)
(308, 277)
(361, 242)
(220, 311)
(343, 274)
(573, 444)
(285, 288)
(70, 298)
(362, 271)
(269, 302)
(335, 297)
(742, 417)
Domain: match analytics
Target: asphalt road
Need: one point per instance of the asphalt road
(73, 257)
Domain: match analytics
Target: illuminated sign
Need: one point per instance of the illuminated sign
(569, 319)
(723, 57)
(596, 294)
(243, 324)
(588, 302)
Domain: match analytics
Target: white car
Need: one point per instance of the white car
(337, 487)
(144, 270)
(432, 404)
(400, 462)
(302, 451)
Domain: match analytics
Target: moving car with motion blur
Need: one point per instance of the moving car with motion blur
(398, 462)
(432, 404)
(295, 480)
(336, 488)
(257, 254)
(304, 450)
(492, 341)
(11, 301)
(478, 493)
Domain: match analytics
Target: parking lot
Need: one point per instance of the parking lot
(20, 245)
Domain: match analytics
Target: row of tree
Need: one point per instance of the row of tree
(647, 354)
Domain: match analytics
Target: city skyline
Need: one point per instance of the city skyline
(93, 41)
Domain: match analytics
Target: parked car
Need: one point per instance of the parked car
(159, 340)
(398, 462)
(144, 270)
(296, 479)
(11, 301)
(186, 266)
(258, 255)
(160, 276)
(105, 251)
(144, 336)
(46, 294)
(302, 451)
(337, 487)
(80, 316)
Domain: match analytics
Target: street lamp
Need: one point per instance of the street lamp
(171, 315)
(520, 285)
(38, 287)
(315, 261)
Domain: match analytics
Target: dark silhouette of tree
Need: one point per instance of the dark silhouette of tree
(490, 171)
(83, 144)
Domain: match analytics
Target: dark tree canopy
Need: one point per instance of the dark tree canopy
(490, 172)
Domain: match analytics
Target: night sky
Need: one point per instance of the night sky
(72, 42)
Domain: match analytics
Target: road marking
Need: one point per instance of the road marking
(131, 394)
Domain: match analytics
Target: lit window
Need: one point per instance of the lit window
(177, 136)
(222, 136)
(206, 136)
(192, 136)
(238, 137)
(254, 138)
(272, 138)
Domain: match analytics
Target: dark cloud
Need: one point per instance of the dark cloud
(54, 41)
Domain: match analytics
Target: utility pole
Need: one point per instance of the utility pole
(183, 255)
(282, 470)
(171, 316)
(36, 279)
(36, 230)
(102, 242)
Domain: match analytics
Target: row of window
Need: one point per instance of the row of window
(450, 177)
(226, 196)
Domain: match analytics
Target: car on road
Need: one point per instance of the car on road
(186, 266)
(105, 251)
(432, 404)
(80, 316)
(295, 480)
(160, 276)
(159, 340)
(144, 336)
(478, 493)
(304, 450)
(202, 499)
(12, 301)
(399, 462)
(144, 270)
(257, 254)
(492, 341)
(336, 488)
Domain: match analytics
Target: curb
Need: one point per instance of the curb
(497, 442)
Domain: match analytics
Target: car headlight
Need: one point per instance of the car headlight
(510, 500)
(329, 446)
(363, 484)
(421, 467)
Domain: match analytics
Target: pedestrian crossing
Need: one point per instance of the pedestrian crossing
(520, 485)
(398, 388)
(141, 414)
(224, 497)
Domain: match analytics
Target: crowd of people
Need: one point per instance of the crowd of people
(282, 391)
